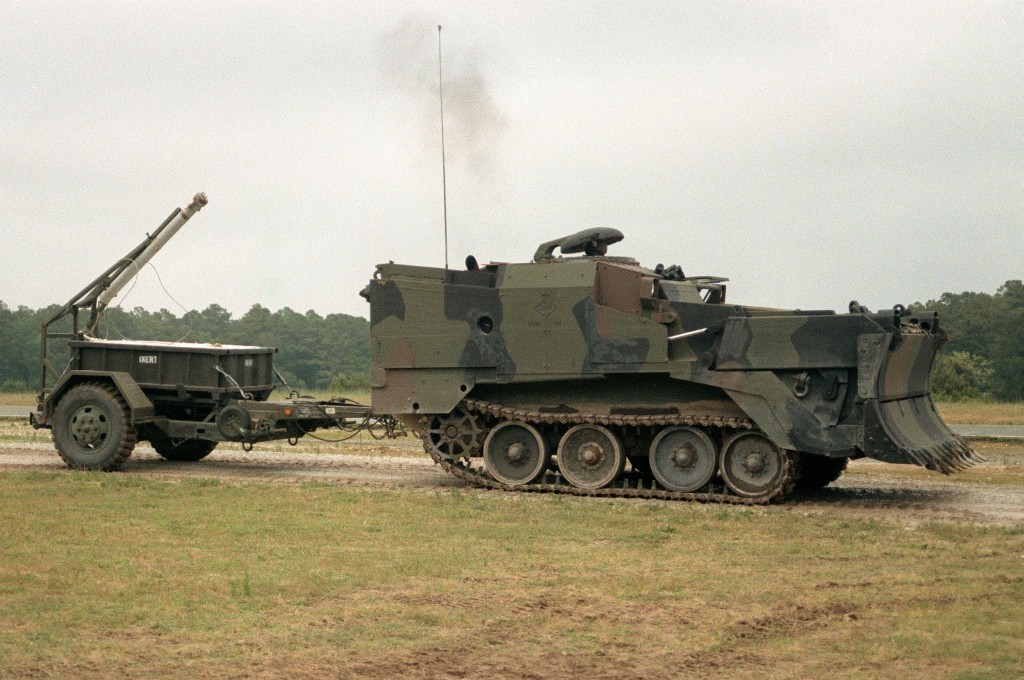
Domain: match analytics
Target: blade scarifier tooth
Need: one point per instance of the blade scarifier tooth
(919, 457)
(957, 449)
(971, 454)
(949, 464)
(947, 454)
(962, 455)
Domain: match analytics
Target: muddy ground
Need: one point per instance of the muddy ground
(988, 494)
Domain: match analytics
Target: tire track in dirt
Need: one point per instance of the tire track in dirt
(873, 490)
(274, 466)
(878, 490)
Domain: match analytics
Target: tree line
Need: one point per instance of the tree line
(984, 358)
(315, 352)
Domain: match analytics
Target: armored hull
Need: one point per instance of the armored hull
(593, 374)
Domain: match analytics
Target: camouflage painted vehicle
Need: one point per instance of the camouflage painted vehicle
(595, 375)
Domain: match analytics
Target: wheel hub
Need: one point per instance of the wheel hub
(684, 457)
(88, 427)
(515, 452)
(591, 454)
(754, 463)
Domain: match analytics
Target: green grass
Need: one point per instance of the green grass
(18, 399)
(17, 430)
(126, 575)
(981, 413)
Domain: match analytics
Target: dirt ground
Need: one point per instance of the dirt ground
(868, 489)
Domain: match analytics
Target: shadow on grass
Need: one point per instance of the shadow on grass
(877, 496)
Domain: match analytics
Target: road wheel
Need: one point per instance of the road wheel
(754, 467)
(590, 456)
(817, 472)
(186, 450)
(683, 458)
(92, 428)
(515, 453)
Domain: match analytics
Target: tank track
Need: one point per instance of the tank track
(625, 487)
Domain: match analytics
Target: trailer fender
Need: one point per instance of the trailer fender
(139, 404)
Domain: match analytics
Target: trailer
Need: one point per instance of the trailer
(182, 397)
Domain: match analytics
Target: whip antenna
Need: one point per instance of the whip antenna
(444, 183)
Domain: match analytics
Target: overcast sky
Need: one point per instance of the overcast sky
(813, 153)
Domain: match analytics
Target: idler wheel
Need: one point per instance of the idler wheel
(752, 466)
(683, 458)
(590, 456)
(515, 453)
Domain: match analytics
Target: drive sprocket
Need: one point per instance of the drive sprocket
(457, 435)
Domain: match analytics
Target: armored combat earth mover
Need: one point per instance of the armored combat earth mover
(594, 375)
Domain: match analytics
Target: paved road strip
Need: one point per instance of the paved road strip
(982, 431)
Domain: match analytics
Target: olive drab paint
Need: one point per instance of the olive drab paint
(605, 335)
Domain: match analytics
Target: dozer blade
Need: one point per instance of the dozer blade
(911, 431)
(901, 424)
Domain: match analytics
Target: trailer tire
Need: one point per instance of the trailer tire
(233, 422)
(92, 428)
(186, 451)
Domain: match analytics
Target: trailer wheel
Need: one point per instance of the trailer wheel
(187, 450)
(92, 428)
(234, 422)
